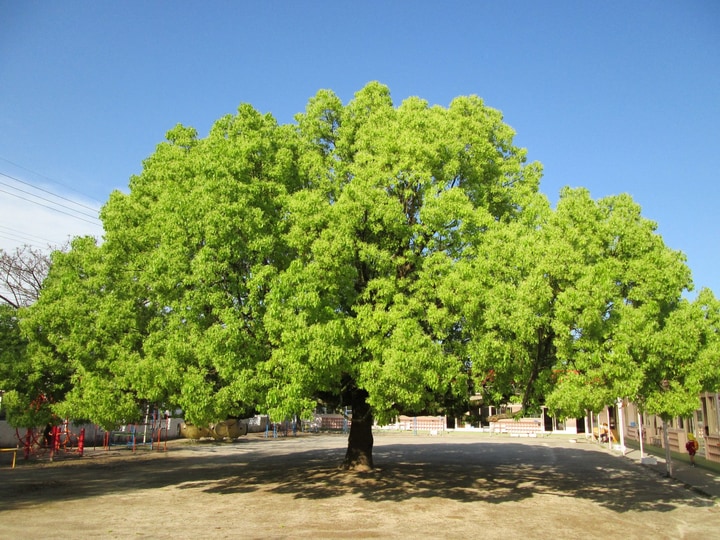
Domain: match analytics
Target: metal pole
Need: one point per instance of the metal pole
(81, 442)
(640, 434)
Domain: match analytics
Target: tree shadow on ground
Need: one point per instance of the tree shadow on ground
(478, 472)
(469, 474)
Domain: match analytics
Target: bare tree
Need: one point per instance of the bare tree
(22, 273)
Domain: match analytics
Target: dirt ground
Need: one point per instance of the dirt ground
(449, 486)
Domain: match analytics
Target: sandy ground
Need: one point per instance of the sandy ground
(449, 486)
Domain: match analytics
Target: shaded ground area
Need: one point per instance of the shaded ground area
(453, 486)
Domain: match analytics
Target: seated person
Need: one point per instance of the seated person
(604, 433)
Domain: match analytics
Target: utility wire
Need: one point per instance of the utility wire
(74, 210)
(96, 223)
(14, 238)
(48, 200)
(30, 240)
(47, 178)
(20, 242)
(21, 235)
(47, 191)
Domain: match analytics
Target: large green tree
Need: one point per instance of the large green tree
(389, 259)
(267, 267)
(395, 198)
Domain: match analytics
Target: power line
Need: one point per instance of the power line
(18, 242)
(52, 246)
(55, 202)
(48, 191)
(21, 235)
(47, 200)
(96, 223)
(47, 178)
(14, 238)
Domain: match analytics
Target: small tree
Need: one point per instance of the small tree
(85, 334)
(683, 360)
(21, 274)
(620, 295)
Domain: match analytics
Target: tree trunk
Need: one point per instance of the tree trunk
(360, 441)
(542, 361)
(668, 455)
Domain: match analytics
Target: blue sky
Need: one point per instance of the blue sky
(612, 96)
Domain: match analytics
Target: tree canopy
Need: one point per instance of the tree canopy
(392, 259)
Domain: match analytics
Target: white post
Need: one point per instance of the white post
(621, 427)
(147, 413)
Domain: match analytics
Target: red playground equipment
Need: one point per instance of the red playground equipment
(51, 440)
